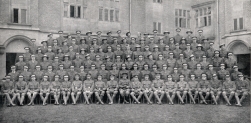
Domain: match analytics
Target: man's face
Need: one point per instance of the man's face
(49, 69)
(171, 56)
(170, 79)
(76, 77)
(183, 41)
(156, 49)
(204, 77)
(160, 57)
(236, 69)
(33, 58)
(146, 77)
(38, 68)
(193, 77)
(138, 48)
(188, 47)
(55, 43)
(25, 69)
(198, 67)
(61, 67)
(157, 76)
(228, 78)
(33, 78)
(114, 67)
(146, 67)
(97, 58)
(123, 67)
(72, 68)
(199, 48)
(222, 67)
(184, 66)
(49, 50)
(150, 57)
(211, 68)
(135, 67)
(66, 58)
(21, 79)
(65, 79)
(164, 67)
(112, 77)
(92, 50)
(181, 78)
(109, 50)
(27, 51)
(140, 58)
(118, 48)
(88, 76)
(136, 78)
(241, 78)
(93, 67)
(45, 78)
(21, 59)
(56, 60)
(154, 68)
(189, 33)
(56, 78)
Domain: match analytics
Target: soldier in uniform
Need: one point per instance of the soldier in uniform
(50, 54)
(93, 72)
(129, 62)
(124, 88)
(67, 63)
(157, 86)
(33, 88)
(108, 63)
(44, 48)
(78, 37)
(55, 64)
(204, 88)
(39, 55)
(198, 71)
(99, 38)
(146, 38)
(182, 88)
(164, 72)
(45, 63)
(194, 44)
(175, 74)
(26, 74)
(112, 89)
(60, 55)
(171, 61)
(119, 36)
(88, 62)
(140, 62)
(199, 53)
(84, 45)
(145, 71)
(49, 73)
(88, 38)
(155, 36)
(172, 44)
(216, 60)
(27, 55)
(166, 37)
(119, 52)
(60, 39)
(150, 61)
(71, 53)
(156, 52)
(66, 89)
(82, 73)
(13, 74)
(8, 88)
(177, 51)
(76, 88)
(100, 89)
(101, 53)
(204, 63)
(222, 72)
(136, 88)
(189, 38)
(185, 71)
(21, 89)
(223, 51)
(88, 86)
(109, 38)
(192, 63)
(210, 51)
(50, 39)
(55, 89)
(183, 44)
(69, 40)
(71, 73)
(177, 37)
(230, 62)
(105, 46)
(44, 89)
(235, 73)
(82, 54)
(33, 47)
(103, 72)
(229, 88)
(137, 52)
(124, 71)
(32, 64)
(193, 88)
(160, 61)
(65, 47)
(75, 47)
(242, 89)
(200, 37)
(166, 52)
(20, 64)
(114, 71)
(170, 89)
(61, 72)
(147, 88)
(110, 53)
(153, 72)
(151, 44)
(180, 61)
(118, 61)
(210, 72)
(135, 71)
(188, 52)
(216, 88)
(133, 44)
(161, 45)
(55, 46)
(128, 38)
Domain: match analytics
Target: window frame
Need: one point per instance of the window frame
(182, 15)
(238, 25)
(201, 14)
(106, 19)
(102, 16)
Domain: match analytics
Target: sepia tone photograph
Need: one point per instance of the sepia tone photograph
(125, 61)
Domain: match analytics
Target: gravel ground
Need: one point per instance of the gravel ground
(126, 113)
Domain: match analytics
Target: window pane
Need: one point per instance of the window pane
(177, 22)
(182, 22)
(65, 10)
(209, 20)
(196, 13)
(106, 14)
(188, 14)
(100, 14)
(202, 22)
(111, 15)
(15, 15)
(188, 23)
(184, 13)
(209, 10)
(205, 11)
(79, 11)
(235, 24)
(159, 1)
(176, 12)
(197, 22)
(117, 15)
(201, 12)
(159, 27)
(23, 16)
(241, 23)
(154, 25)
(84, 12)
(72, 11)
(205, 21)
(180, 12)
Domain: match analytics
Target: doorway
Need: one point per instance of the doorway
(243, 61)
(11, 59)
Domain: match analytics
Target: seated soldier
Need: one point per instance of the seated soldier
(160, 62)
(185, 71)
(204, 88)
(61, 72)
(55, 89)
(150, 61)
(140, 62)
(38, 73)
(124, 90)
(13, 74)
(228, 88)
(33, 88)
(108, 63)
(222, 72)
(71, 73)
(192, 63)
(27, 54)
(235, 73)
(26, 74)
(193, 88)
(175, 75)
(157, 86)
(103, 72)
(170, 89)
(118, 61)
(32, 63)
(242, 87)
(49, 73)
(136, 89)
(180, 61)
(45, 63)
(198, 71)
(88, 86)
(93, 72)
(216, 88)
(44, 89)
(153, 72)
(55, 64)
(135, 71)
(76, 89)
(147, 89)
(145, 71)
(124, 70)
(115, 71)
(50, 54)
(39, 55)
(67, 63)
(98, 62)
(112, 89)
(66, 89)
(100, 89)
(20, 64)
(8, 89)
(171, 61)
(21, 89)
(182, 88)
(82, 73)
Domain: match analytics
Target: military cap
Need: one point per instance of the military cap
(204, 57)
(141, 56)
(45, 56)
(107, 57)
(33, 75)
(124, 74)
(240, 75)
(154, 66)
(43, 42)
(146, 65)
(235, 66)
(91, 48)
(88, 32)
(184, 64)
(211, 43)
(164, 65)
(146, 74)
(166, 32)
(200, 31)
(175, 68)
(171, 53)
(199, 45)
(20, 76)
(191, 56)
(70, 47)
(127, 33)
(109, 32)
(32, 55)
(45, 76)
(132, 38)
(135, 65)
(119, 31)
(118, 56)
(194, 37)
(181, 76)
(156, 46)
(93, 65)
(81, 67)
(198, 64)
(7, 77)
(61, 65)
(65, 76)
(222, 45)
(66, 56)
(71, 66)
(49, 47)
(178, 30)
(33, 40)
(39, 48)
(26, 48)
(189, 31)
(177, 44)
(203, 74)
(128, 56)
(227, 75)
(49, 66)
(210, 65)
(188, 44)
(192, 75)
(13, 67)
(49, 34)
(222, 64)
(26, 67)
(166, 45)
(137, 46)
(97, 56)
(60, 32)
(78, 32)
(169, 76)
(183, 38)
(109, 47)
(155, 31)
(114, 65)
(181, 54)
(135, 76)
(38, 66)
(56, 76)
(230, 53)
(114, 38)
(171, 39)
(82, 49)
(216, 52)
(214, 75)
(98, 32)
(102, 65)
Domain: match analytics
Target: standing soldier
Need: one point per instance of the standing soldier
(150, 61)
(33, 88)
(194, 44)
(26, 74)
(55, 46)
(114, 71)
(55, 89)
(151, 44)
(55, 64)
(108, 63)
(145, 71)
(119, 52)
(112, 89)
(133, 44)
(204, 88)
(118, 62)
(166, 52)
(38, 73)
(171, 61)
(182, 88)
(82, 73)
(156, 52)
(71, 73)
(189, 38)
(49, 73)
(188, 52)
(39, 55)
(155, 36)
(44, 89)
(222, 72)
(124, 71)
(160, 61)
(185, 71)
(82, 54)
(67, 63)
(103, 72)
(119, 36)
(200, 37)
(69, 40)
(99, 38)
(235, 73)
(78, 37)
(223, 51)
(71, 53)
(50, 39)
(75, 46)
(166, 37)
(61, 72)
(210, 51)
(76, 89)
(33, 47)
(157, 86)
(136, 88)
(105, 46)
(135, 71)
(32, 64)
(13, 74)
(98, 62)
(170, 89)
(129, 62)
(146, 38)
(216, 60)
(177, 37)
(140, 62)
(193, 88)
(154, 72)
(93, 72)
(147, 88)
(175, 75)
(27, 54)
(242, 89)
(88, 38)
(65, 47)
(172, 44)
(21, 89)
(230, 62)
(198, 71)
(100, 89)
(101, 53)
(128, 51)
(192, 63)
(204, 63)
(110, 53)
(164, 72)
(229, 88)
(206, 44)
(60, 38)
(88, 86)
(109, 38)
(216, 88)
(137, 52)
(128, 38)
(50, 54)
(180, 61)
(210, 72)
(177, 51)
(44, 48)
(183, 44)
(84, 45)
(20, 64)
(44, 65)
(8, 89)
(161, 45)
(88, 62)
(124, 85)
(199, 53)
(60, 55)
(66, 89)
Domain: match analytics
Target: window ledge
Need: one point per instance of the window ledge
(19, 24)
(236, 31)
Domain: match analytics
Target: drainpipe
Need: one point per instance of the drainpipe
(218, 32)
(130, 15)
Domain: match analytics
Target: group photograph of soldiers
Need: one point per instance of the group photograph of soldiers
(148, 69)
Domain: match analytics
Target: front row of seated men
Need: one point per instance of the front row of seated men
(126, 88)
